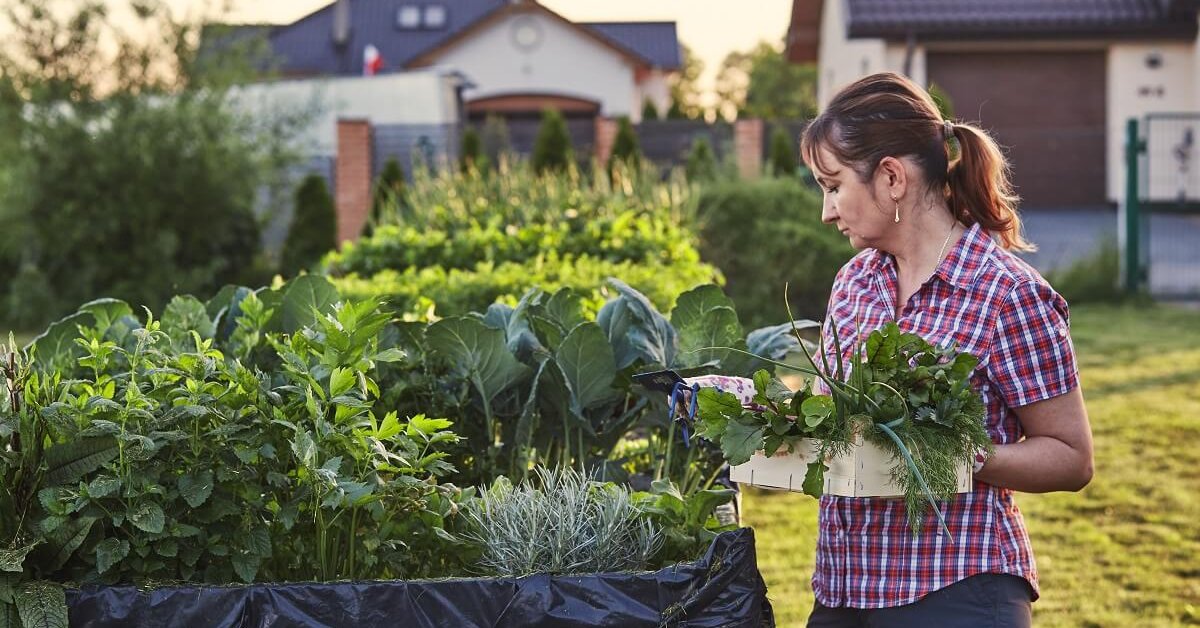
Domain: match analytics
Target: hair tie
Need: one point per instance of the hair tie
(947, 130)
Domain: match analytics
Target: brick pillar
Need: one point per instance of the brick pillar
(353, 177)
(606, 134)
(748, 146)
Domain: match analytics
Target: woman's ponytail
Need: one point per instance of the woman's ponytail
(980, 190)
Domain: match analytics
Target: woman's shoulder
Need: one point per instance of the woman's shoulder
(1007, 271)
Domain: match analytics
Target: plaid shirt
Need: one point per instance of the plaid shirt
(996, 307)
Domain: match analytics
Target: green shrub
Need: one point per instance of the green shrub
(552, 150)
(649, 110)
(1092, 279)
(783, 153)
(387, 195)
(496, 144)
(313, 231)
(764, 234)
(942, 99)
(470, 152)
(137, 200)
(675, 111)
(625, 148)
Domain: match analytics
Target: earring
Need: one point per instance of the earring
(897, 202)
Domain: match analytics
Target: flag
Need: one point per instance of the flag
(372, 61)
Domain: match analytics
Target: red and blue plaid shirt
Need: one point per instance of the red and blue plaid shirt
(993, 305)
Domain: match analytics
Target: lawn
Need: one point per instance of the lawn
(1123, 552)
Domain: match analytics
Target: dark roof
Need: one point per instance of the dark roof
(976, 19)
(306, 46)
(656, 42)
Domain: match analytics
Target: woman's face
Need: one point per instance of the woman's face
(863, 212)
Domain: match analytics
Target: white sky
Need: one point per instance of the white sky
(711, 28)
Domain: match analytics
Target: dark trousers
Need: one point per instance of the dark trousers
(989, 600)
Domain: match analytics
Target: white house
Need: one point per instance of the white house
(517, 55)
(1054, 80)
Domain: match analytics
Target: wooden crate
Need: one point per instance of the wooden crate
(866, 471)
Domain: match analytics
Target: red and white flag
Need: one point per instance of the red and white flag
(372, 61)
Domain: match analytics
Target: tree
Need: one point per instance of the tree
(625, 148)
(783, 153)
(495, 138)
(649, 110)
(552, 150)
(387, 196)
(684, 87)
(701, 163)
(313, 231)
(762, 83)
(135, 177)
(732, 80)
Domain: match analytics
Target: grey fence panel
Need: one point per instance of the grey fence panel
(1170, 200)
(668, 142)
(437, 144)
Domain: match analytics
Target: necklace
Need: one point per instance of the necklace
(942, 250)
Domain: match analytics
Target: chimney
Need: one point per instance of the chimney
(341, 22)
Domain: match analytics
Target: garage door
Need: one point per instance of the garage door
(1047, 109)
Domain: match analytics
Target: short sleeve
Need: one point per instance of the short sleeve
(1032, 358)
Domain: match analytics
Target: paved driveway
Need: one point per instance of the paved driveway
(1066, 235)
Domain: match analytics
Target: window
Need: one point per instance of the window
(408, 17)
(435, 16)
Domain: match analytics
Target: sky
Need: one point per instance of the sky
(711, 28)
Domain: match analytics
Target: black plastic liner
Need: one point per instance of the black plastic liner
(723, 589)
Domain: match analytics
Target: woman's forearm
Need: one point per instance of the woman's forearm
(1038, 464)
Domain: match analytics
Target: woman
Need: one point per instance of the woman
(929, 204)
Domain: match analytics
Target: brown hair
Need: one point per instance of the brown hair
(887, 114)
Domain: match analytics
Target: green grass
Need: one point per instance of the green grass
(1123, 552)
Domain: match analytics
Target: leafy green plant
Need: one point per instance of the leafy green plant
(626, 236)
(686, 521)
(542, 383)
(567, 525)
(138, 450)
(911, 398)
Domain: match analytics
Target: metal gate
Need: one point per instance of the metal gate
(1160, 218)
